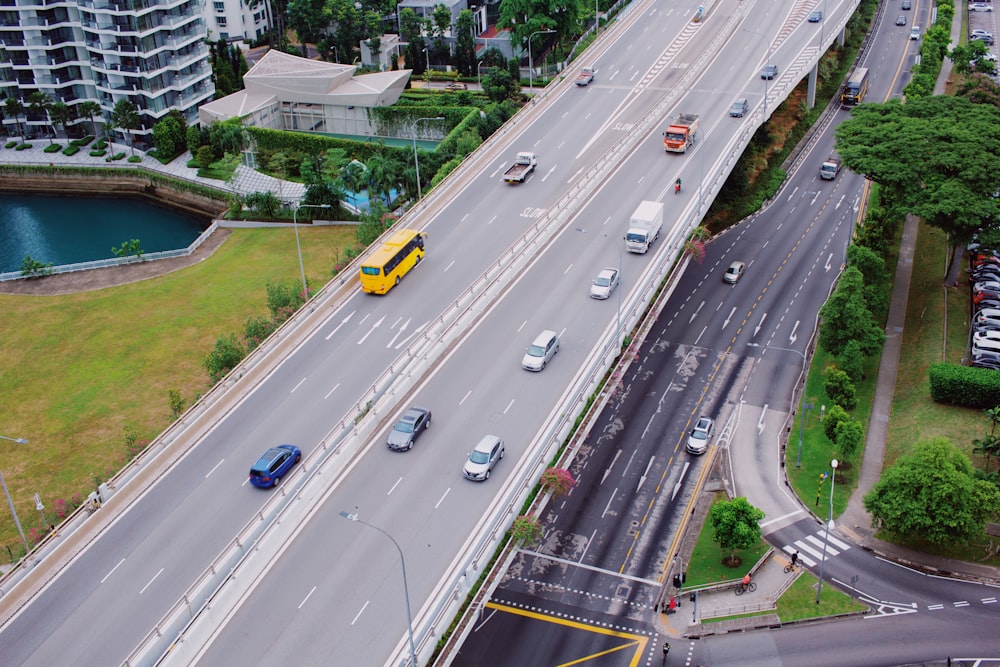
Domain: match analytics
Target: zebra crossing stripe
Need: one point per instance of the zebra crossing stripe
(804, 546)
(840, 545)
(819, 543)
(805, 560)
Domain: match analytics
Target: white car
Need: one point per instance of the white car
(980, 7)
(985, 345)
(914, 33)
(604, 284)
(541, 351)
(697, 442)
(483, 459)
(981, 336)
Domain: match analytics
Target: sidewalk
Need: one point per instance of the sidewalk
(247, 180)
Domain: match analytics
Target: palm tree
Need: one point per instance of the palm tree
(13, 108)
(62, 114)
(88, 110)
(40, 103)
(126, 117)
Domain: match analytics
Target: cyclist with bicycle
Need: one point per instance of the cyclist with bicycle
(795, 559)
(746, 581)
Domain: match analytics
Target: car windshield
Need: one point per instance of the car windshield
(602, 281)
(479, 457)
(536, 351)
(404, 427)
(698, 434)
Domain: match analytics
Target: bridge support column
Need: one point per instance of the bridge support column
(840, 38)
(811, 88)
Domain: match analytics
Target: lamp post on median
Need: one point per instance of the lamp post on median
(416, 162)
(829, 527)
(531, 72)
(298, 245)
(10, 503)
(802, 396)
(406, 590)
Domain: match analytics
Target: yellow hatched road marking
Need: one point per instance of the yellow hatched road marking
(638, 642)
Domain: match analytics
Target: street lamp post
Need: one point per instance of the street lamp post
(416, 162)
(298, 245)
(829, 527)
(10, 503)
(802, 396)
(479, 75)
(406, 590)
(531, 72)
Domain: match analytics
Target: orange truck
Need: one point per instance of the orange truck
(681, 133)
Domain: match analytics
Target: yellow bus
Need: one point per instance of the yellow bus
(386, 266)
(857, 87)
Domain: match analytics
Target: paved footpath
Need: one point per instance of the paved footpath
(247, 180)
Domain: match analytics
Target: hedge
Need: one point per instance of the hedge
(965, 385)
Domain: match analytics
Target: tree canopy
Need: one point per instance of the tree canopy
(525, 17)
(846, 317)
(735, 523)
(933, 494)
(937, 156)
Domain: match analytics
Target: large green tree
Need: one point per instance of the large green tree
(525, 17)
(933, 494)
(309, 18)
(465, 46)
(736, 524)
(939, 157)
(846, 317)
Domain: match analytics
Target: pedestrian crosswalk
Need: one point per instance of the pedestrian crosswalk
(810, 547)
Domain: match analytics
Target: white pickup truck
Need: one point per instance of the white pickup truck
(523, 165)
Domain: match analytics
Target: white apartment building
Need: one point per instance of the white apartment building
(151, 52)
(236, 20)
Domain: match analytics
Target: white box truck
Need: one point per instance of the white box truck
(644, 226)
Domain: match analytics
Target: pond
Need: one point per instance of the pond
(66, 230)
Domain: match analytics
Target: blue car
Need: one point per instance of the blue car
(273, 465)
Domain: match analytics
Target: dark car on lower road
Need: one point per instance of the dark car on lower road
(273, 465)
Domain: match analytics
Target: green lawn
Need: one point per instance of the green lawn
(706, 565)
(78, 369)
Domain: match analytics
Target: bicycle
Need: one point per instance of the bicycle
(742, 588)
(790, 568)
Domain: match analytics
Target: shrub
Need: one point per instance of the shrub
(135, 158)
(118, 156)
(525, 530)
(256, 329)
(97, 153)
(82, 141)
(23, 147)
(205, 156)
(10, 144)
(32, 268)
(226, 355)
(964, 385)
(101, 145)
(851, 360)
(557, 481)
(53, 148)
(71, 150)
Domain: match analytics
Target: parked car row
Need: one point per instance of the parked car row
(985, 328)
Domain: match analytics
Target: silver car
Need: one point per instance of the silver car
(697, 442)
(483, 459)
(409, 427)
(734, 273)
(604, 284)
(541, 351)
